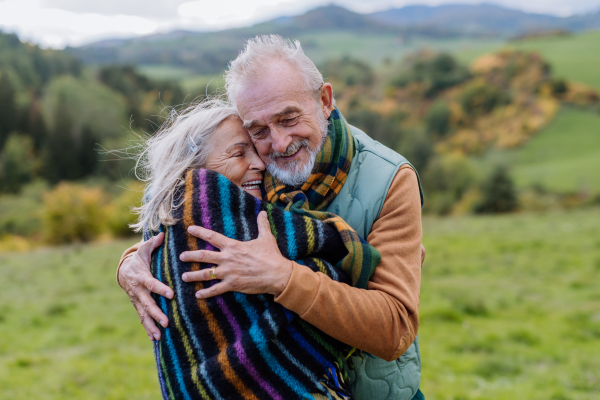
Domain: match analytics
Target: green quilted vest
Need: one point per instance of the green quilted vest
(359, 203)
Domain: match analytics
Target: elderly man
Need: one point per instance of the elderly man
(284, 104)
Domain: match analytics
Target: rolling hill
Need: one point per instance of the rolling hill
(209, 52)
(482, 19)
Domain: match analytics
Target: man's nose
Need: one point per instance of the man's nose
(280, 139)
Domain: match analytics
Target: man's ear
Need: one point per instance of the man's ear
(326, 99)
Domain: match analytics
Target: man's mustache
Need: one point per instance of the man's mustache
(291, 149)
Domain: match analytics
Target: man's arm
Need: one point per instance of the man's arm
(382, 320)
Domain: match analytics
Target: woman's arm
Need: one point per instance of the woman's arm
(134, 276)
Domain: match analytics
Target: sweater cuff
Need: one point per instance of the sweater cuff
(128, 253)
(301, 290)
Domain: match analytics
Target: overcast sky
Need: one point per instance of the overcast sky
(57, 23)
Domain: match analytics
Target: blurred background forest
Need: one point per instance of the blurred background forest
(498, 109)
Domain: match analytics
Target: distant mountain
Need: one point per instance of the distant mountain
(482, 19)
(209, 52)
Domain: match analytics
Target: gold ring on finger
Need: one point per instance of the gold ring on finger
(212, 273)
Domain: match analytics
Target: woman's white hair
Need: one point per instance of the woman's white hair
(181, 144)
(257, 57)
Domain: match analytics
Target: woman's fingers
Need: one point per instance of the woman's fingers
(156, 286)
(146, 249)
(147, 322)
(214, 238)
(145, 300)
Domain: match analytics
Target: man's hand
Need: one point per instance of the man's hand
(250, 267)
(135, 278)
(422, 254)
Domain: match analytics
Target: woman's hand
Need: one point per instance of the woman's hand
(137, 280)
(250, 267)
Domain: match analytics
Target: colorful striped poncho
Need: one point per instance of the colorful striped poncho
(238, 346)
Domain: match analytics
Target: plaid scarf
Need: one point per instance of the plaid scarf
(325, 182)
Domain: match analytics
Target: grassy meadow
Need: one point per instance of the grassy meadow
(563, 157)
(509, 309)
(574, 57)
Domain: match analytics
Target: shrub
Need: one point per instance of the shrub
(498, 193)
(417, 147)
(20, 214)
(73, 213)
(445, 180)
(436, 73)
(119, 215)
(481, 99)
(438, 119)
(559, 87)
(386, 130)
(16, 163)
(349, 71)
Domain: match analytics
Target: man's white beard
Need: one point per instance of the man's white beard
(291, 173)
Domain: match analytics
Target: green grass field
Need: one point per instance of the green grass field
(164, 72)
(573, 57)
(374, 49)
(509, 309)
(564, 156)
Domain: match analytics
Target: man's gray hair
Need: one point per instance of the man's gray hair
(182, 144)
(257, 57)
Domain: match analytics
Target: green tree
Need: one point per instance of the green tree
(137, 89)
(17, 163)
(8, 108)
(348, 70)
(436, 73)
(438, 119)
(79, 114)
(479, 98)
(385, 129)
(498, 193)
(445, 180)
(69, 154)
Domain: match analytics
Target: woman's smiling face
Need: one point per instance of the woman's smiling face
(235, 157)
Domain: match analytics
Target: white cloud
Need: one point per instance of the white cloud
(228, 13)
(57, 28)
(56, 23)
(154, 9)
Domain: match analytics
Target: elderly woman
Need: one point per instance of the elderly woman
(203, 170)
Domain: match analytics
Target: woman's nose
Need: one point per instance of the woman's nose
(256, 163)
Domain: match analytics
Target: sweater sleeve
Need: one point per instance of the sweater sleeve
(383, 319)
(128, 253)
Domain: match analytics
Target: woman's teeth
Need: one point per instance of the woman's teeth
(252, 185)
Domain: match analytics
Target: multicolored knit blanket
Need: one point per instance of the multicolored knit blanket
(238, 346)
